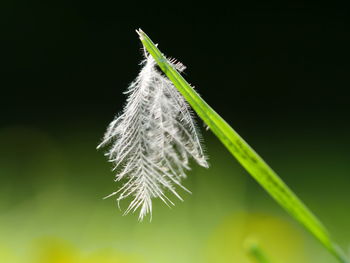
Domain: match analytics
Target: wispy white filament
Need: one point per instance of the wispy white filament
(152, 140)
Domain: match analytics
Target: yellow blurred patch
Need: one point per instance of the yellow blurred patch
(6, 255)
(276, 237)
(52, 250)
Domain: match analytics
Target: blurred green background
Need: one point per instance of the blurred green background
(277, 74)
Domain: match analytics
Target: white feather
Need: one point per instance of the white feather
(152, 140)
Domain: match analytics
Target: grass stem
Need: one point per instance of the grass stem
(248, 158)
(255, 252)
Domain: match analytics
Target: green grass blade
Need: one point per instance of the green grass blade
(248, 158)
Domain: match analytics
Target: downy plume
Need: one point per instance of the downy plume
(152, 140)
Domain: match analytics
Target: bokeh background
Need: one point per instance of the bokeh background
(278, 74)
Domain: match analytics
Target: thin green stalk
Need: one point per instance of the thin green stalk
(248, 158)
(255, 252)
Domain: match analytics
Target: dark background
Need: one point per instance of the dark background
(68, 61)
(279, 74)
